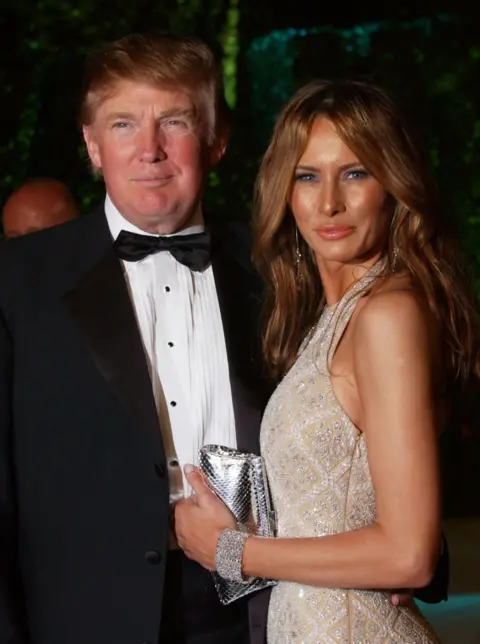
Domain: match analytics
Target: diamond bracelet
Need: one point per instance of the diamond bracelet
(229, 555)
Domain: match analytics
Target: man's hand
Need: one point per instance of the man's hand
(404, 598)
(200, 519)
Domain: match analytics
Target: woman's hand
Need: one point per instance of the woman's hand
(200, 519)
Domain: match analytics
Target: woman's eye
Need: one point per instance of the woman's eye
(357, 174)
(305, 176)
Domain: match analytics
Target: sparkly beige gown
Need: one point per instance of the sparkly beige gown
(317, 465)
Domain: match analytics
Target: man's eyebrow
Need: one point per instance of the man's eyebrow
(177, 111)
(113, 116)
(173, 111)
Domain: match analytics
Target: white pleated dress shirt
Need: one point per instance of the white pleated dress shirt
(181, 328)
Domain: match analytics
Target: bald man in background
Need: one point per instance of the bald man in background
(37, 204)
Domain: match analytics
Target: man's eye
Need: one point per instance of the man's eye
(176, 123)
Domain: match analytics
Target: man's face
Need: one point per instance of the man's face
(146, 142)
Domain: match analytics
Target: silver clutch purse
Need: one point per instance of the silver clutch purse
(240, 481)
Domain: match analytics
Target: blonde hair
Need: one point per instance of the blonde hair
(372, 126)
(168, 62)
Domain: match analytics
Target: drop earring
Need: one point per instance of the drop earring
(298, 255)
(394, 259)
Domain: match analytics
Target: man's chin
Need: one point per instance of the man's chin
(165, 221)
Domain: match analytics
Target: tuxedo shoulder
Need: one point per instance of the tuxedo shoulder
(49, 258)
(242, 231)
(233, 241)
(49, 244)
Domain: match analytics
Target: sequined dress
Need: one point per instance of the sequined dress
(318, 470)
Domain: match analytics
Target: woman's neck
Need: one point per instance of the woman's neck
(338, 277)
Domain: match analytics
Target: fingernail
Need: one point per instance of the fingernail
(188, 469)
(395, 600)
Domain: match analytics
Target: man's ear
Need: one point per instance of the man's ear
(92, 146)
(219, 147)
(217, 151)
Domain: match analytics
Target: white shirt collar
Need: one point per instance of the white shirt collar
(117, 222)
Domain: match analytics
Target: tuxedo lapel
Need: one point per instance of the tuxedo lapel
(236, 292)
(101, 308)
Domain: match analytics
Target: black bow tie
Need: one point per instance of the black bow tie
(191, 250)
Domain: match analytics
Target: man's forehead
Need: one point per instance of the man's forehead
(132, 96)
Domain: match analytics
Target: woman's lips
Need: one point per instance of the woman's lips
(334, 232)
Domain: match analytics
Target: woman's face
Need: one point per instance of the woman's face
(341, 211)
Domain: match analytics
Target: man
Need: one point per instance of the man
(128, 339)
(37, 204)
(117, 365)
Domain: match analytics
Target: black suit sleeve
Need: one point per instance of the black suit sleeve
(437, 590)
(12, 613)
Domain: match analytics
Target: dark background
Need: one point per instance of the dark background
(427, 53)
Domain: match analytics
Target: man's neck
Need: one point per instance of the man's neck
(117, 222)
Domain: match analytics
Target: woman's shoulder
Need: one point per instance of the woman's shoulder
(394, 306)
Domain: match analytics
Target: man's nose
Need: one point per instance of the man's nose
(152, 145)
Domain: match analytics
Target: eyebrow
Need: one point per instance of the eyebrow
(311, 168)
(174, 111)
(178, 111)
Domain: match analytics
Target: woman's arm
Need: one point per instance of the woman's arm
(392, 362)
(393, 372)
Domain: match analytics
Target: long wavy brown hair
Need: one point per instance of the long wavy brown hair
(372, 126)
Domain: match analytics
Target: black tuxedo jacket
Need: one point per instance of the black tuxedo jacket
(84, 499)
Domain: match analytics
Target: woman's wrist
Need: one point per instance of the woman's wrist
(229, 554)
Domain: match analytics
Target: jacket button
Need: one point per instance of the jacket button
(153, 557)
(160, 470)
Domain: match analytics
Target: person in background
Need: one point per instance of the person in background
(37, 204)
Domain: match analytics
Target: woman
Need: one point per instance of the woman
(369, 327)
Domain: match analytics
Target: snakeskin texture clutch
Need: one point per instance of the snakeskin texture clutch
(240, 481)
